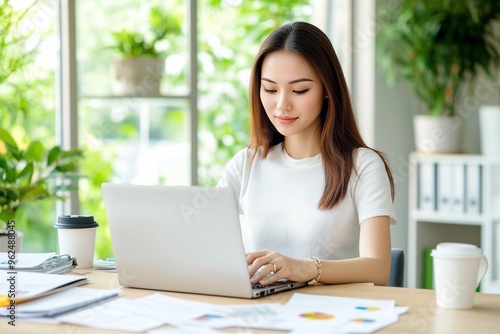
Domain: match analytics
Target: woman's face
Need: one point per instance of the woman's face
(291, 93)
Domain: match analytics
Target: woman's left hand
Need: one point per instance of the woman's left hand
(297, 270)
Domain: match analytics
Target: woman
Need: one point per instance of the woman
(317, 202)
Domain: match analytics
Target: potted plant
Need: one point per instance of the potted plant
(437, 47)
(29, 174)
(138, 70)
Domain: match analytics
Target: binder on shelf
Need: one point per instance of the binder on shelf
(445, 187)
(473, 189)
(494, 191)
(458, 205)
(426, 186)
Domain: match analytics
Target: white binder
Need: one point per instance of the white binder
(458, 205)
(445, 187)
(427, 186)
(473, 189)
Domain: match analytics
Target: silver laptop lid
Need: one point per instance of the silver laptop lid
(177, 238)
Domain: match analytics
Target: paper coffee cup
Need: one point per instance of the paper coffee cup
(76, 235)
(458, 269)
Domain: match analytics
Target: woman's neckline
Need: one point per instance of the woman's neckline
(305, 162)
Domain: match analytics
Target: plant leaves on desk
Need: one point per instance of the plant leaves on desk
(27, 175)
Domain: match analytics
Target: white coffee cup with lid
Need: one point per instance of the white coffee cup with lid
(458, 269)
(76, 235)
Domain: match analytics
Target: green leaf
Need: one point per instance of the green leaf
(7, 139)
(35, 151)
(71, 154)
(12, 195)
(53, 155)
(36, 193)
(7, 214)
(3, 164)
(27, 171)
(67, 167)
(10, 175)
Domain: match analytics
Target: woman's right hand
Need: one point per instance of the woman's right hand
(277, 266)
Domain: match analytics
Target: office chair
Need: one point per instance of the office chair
(396, 277)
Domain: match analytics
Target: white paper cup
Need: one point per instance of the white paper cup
(76, 235)
(458, 269)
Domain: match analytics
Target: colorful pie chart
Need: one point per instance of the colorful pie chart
(317, 316)
(368, 308)
(363, 320)
(207, 317)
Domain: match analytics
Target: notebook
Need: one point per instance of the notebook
(180, 238)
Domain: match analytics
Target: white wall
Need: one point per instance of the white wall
(485, 92)
(393, 131)
(384, 114)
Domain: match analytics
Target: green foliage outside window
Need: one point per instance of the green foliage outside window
(14, 58)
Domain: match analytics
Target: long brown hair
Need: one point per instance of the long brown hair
(339, 133)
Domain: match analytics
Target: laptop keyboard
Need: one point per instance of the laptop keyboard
(282, 281)
(260, 286)
(278, 282)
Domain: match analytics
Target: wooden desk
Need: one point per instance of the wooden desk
(422, 317)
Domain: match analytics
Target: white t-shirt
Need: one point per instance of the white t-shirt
(278, 197)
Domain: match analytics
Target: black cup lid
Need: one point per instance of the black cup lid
(75, 221)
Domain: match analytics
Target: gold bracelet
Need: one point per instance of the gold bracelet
(318, 264)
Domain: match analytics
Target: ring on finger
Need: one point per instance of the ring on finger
(274, 266)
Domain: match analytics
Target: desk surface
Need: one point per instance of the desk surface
(423, 315)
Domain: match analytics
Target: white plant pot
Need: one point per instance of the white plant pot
(489, 126)
(139, 76)
(438, 134)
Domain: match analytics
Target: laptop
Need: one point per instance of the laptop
(180, 238)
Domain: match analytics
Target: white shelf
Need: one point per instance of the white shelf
(471, 214)
(447, 218)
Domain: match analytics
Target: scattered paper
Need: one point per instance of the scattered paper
(39, 320)
(167, 309)
(111, 316)
(240, 316)
(187, 329)
(302, 314)
(305, 313)
(140, 314)
(327, 313)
